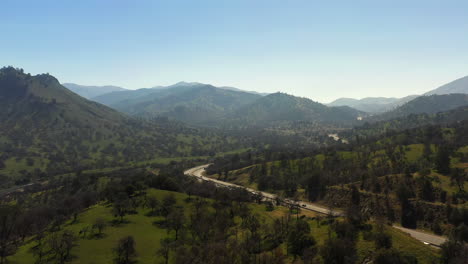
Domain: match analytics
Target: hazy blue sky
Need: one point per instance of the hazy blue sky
(319, 49)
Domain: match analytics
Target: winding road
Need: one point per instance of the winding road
(199, 171)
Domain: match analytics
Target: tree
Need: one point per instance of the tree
(382, 240)
(125, 251)
(39, 250)
(299, 238)
(314, 187)
(393, 256)
(99, 224)
(165, 249)
(353, 212)
(176, 220)
(121, 208)
(8, 223)
(454, 252)
(459, 176)
(61, 245)
(153, 203)
(443, 160)
(168, 202)
(408, 213)
(338, 251)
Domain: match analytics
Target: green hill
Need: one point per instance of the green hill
(45, 129)
(191, 103)
(280, 107)
(148, 232)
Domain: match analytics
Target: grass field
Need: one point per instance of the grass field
(147, 235)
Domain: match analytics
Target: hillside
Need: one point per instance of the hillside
(89, 92)
(281, 107)
(459, 86)
(193, 103)
(45, 129)
(426, 104)
(372, 104)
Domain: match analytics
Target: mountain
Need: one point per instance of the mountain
(280, 107)
(407, 122)
(373, 104)
(91, 91)
(116, 97)
(240, 90)
(459, 86)
(430, 104)
(194, 103)
(45, 129)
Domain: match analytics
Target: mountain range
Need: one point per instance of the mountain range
(384, 104)
(89, 92)
(373, 104)
(204, 104)
(208, 105)
(428, 104)
(47, 129)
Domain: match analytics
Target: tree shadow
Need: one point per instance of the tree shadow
(161, 223)
(97, 236)
(118, 222)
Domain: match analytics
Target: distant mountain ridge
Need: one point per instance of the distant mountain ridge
(89, 92)
(428, 104)
(385, 104)
(118, 97)
(373, 104)
(193, 103)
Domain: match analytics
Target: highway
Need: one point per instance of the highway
(199, 171)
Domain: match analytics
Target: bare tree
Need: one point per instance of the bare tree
(125, 251)
(176, 220)
(99, 224)
(8, 223)
(153, 203)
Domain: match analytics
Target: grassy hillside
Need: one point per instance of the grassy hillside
(45, 129)
(148, 235)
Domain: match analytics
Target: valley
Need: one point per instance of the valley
(332, 178)
(233, 132)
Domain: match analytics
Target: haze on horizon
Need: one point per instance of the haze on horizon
(318, 50)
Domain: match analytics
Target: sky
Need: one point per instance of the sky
(322, 50)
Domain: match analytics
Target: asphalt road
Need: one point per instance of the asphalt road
(198, 172)
(426, 238)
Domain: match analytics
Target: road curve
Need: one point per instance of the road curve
(199, 171)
